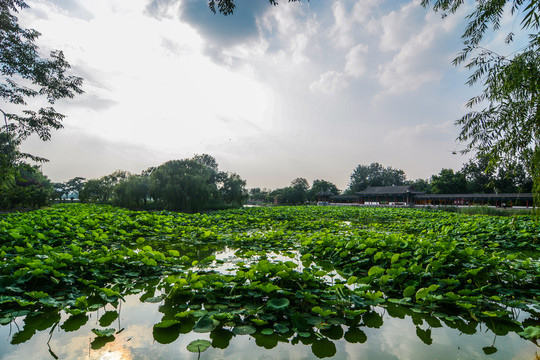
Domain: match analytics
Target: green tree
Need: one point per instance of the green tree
(233, 190)
(74, 185)
(95, 191)
(258, 194)
(321, 185)
(297, 192)
(449, 182)
(31, 189)
(26, 75)
(507, 127)
(479, 174)
(421, 185)
(375, 175)
(132, 192)
(182, 185)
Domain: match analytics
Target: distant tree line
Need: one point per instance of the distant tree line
(188, 185)
(197, 184)
(476, 176)
(297, 193)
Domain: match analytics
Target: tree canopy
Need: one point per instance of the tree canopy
(375, 175)
(27, 75)
(507, 127)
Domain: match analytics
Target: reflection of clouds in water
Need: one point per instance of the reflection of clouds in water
(396, 339)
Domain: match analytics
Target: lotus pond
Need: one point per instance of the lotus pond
(98, 282)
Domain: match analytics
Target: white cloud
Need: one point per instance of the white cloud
(356, 61)
(400, 25)
(422, 43)
(349, 22)
(329, 82)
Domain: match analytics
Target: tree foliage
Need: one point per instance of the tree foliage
(233, 190)
(375, 175)
(507, 127)
(449, 182)
(30, 189)
(321, 185)
(132, 192)
(26, 75)
(188, 185)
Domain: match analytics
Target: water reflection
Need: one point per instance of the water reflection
(390, 331)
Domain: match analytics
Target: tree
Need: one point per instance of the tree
(479, 175)
(74, 185)
(508, 126)
(321, 185)
(26, 75)
(421, 185)
(233, 190)
(448, 182)
(30, 189)
(182, 185)
(375, 175)
(132, 192)
(297, 192)
(95, 190)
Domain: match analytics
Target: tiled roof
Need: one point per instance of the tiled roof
(388, 190)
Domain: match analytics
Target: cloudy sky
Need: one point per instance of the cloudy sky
(309, 89)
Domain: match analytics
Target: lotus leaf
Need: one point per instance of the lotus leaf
(198, 346)
(278, 303)
(244, 330)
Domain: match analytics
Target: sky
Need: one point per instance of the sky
(310, 89)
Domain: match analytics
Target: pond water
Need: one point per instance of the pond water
(257, 294)
(381, 334)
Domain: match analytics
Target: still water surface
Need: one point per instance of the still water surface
(378, 336)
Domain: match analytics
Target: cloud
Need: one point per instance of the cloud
(216, 29)
(75, 153)
(93, 102)
(73, 8)
(334, 81)
(329, 82)
(356, 63)
(348, 19)
(400, 25)
(161, 9)
(424, 45)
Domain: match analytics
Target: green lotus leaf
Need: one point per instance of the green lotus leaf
(244, 330)
(198, 346)
(205, 324)
(531, 332)
(107, 318)
(409, 291)
(281, 328)
(278, 304)
(103, 332)
(166, 324)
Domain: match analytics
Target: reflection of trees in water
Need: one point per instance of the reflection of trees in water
(320, 334)
(227, 304)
